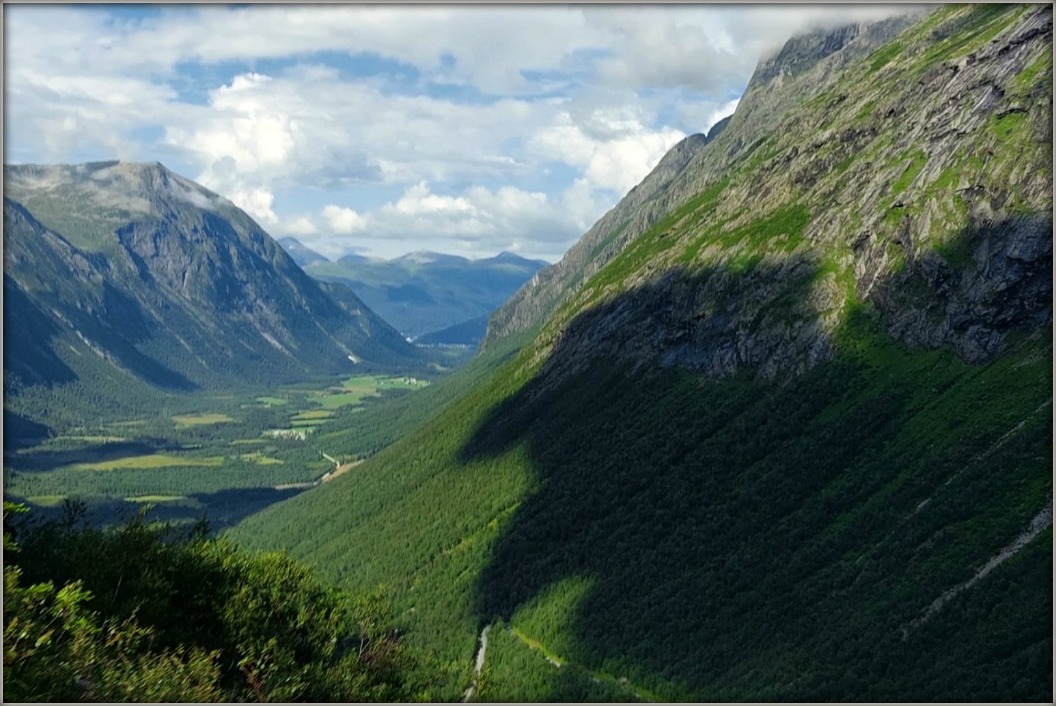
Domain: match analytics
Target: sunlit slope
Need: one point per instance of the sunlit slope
(794, 441)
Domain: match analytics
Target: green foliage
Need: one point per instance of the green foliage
(781, 231)
(967, 31)
(1008, 125)
(881, 57)
(1028, 77)
(917, 160)
(785, 515)
(515, 671)
(146, 614)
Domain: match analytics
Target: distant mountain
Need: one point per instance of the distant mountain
(424, 292)
(124, 275)
(301, 254)
(467, 333)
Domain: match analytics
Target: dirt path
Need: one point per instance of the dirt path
(479, 665)
(1039, 524)
(598, 677)
(340, 470)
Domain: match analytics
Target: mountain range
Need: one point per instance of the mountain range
(425, 292)
(779, 427)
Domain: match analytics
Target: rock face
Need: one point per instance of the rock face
(901, 168)
(636, 212)
(134, 267)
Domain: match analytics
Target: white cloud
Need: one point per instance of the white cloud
(623, 154)
(344, 220)
(479, 219)
(299, 226)
(725, 110)
(464, 120)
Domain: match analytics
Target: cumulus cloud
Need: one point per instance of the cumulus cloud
(343, 220)
(299, 226)
(477, 220)
(499, 126)
(615, 157)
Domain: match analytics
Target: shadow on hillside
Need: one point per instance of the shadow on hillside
(222, 509)
(46, 460)
(746, 539)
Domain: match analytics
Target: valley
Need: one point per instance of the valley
(777, 427)
(218, 456)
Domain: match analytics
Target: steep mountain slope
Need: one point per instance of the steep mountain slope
(119, 274)
(425, 292)
(790, 441)
(627, 220)
(912, 181)
(301, 253)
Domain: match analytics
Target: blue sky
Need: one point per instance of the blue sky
(386, 130)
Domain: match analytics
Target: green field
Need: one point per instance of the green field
(261, 459)
(217, 445)
(158, 460)
(313, 414)
(190, 420)
(46, 500)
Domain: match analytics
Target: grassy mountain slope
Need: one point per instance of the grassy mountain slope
(122, 275)
(420, 293)
(792, 441)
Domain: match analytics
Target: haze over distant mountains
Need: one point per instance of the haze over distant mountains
(425, 292)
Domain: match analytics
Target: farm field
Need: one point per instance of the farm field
(221, 456)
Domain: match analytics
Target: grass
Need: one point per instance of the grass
(312, 414)
(269, 401)
(191, 420)
(157, 460)
(341, 399)
(782, 230)
(970, 33)
(95, 439)
(46, 500)
(917, 160)
(260, 459)
(881, 57)
(1008, 125)
(1025, 81)
(662, 236)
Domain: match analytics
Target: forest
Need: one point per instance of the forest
(145, 611)
(627, 520)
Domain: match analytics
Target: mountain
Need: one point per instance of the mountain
(300, 253)
(635, 212)
(778, 429)
(467, 333)
(126, 277)
(425, 292)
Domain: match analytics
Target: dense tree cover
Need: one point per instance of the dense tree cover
(143, 612)
(737, 539)
(514, 671)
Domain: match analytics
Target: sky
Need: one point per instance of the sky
(382, 130)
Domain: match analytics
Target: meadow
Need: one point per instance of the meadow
(215, 455)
